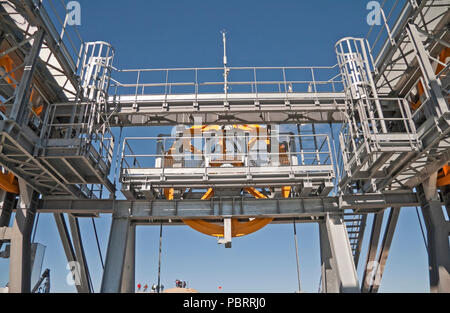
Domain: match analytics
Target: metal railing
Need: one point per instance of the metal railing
(98, 141)
(362, 130)
(56, 14)
(284, 151)
(95, 70)
(253, 80)
(382, 36)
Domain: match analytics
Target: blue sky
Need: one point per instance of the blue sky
(159, 34)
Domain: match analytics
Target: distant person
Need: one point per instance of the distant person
(184, 284)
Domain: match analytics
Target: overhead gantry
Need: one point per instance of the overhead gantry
(231, 165)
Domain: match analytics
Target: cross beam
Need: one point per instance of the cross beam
(217, 208)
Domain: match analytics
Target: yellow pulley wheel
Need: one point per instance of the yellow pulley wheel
(238, 229)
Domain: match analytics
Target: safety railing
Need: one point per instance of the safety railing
(241, 151)
(96, 139)
(422, 105)
(355, 64)
(255, 80)
(388, 19)
(96, 65)
(101, 142)
(397, 118)
(363, 136)
(62, 24)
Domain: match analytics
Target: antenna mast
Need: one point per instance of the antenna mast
(225, 61)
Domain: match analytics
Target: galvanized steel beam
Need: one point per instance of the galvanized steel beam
(115, 256)
(372, 252)
(236, 206)
(20, 253)
(438, 231)
(69, 250)
(80, 255)
(384, 250)
(129, 268)
(342, 254)
(330, 280)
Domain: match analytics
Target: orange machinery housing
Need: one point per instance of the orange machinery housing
(444, 57)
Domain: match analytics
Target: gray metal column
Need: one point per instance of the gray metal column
(438, 230)
(68, 247)
(342, 254)
(385, 248)
(115, 256)
(128, 279)
(7, 202)
(445, 191)
(79, 252)
(330, 281)
(23, 91)
(20, 255)
(372, 252)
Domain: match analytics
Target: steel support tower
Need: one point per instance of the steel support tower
(230, 166)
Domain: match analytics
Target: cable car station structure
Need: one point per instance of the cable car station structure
(229, 168)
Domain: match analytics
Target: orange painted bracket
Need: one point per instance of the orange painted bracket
(286, 191)
(169, 193)
(8, 65)
(443, 176)
(255, 193)
(209, 194)
(9, 183)
(443, 56)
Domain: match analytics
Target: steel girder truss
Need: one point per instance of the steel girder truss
(59, 157)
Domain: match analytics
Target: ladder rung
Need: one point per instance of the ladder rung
(353, 220)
